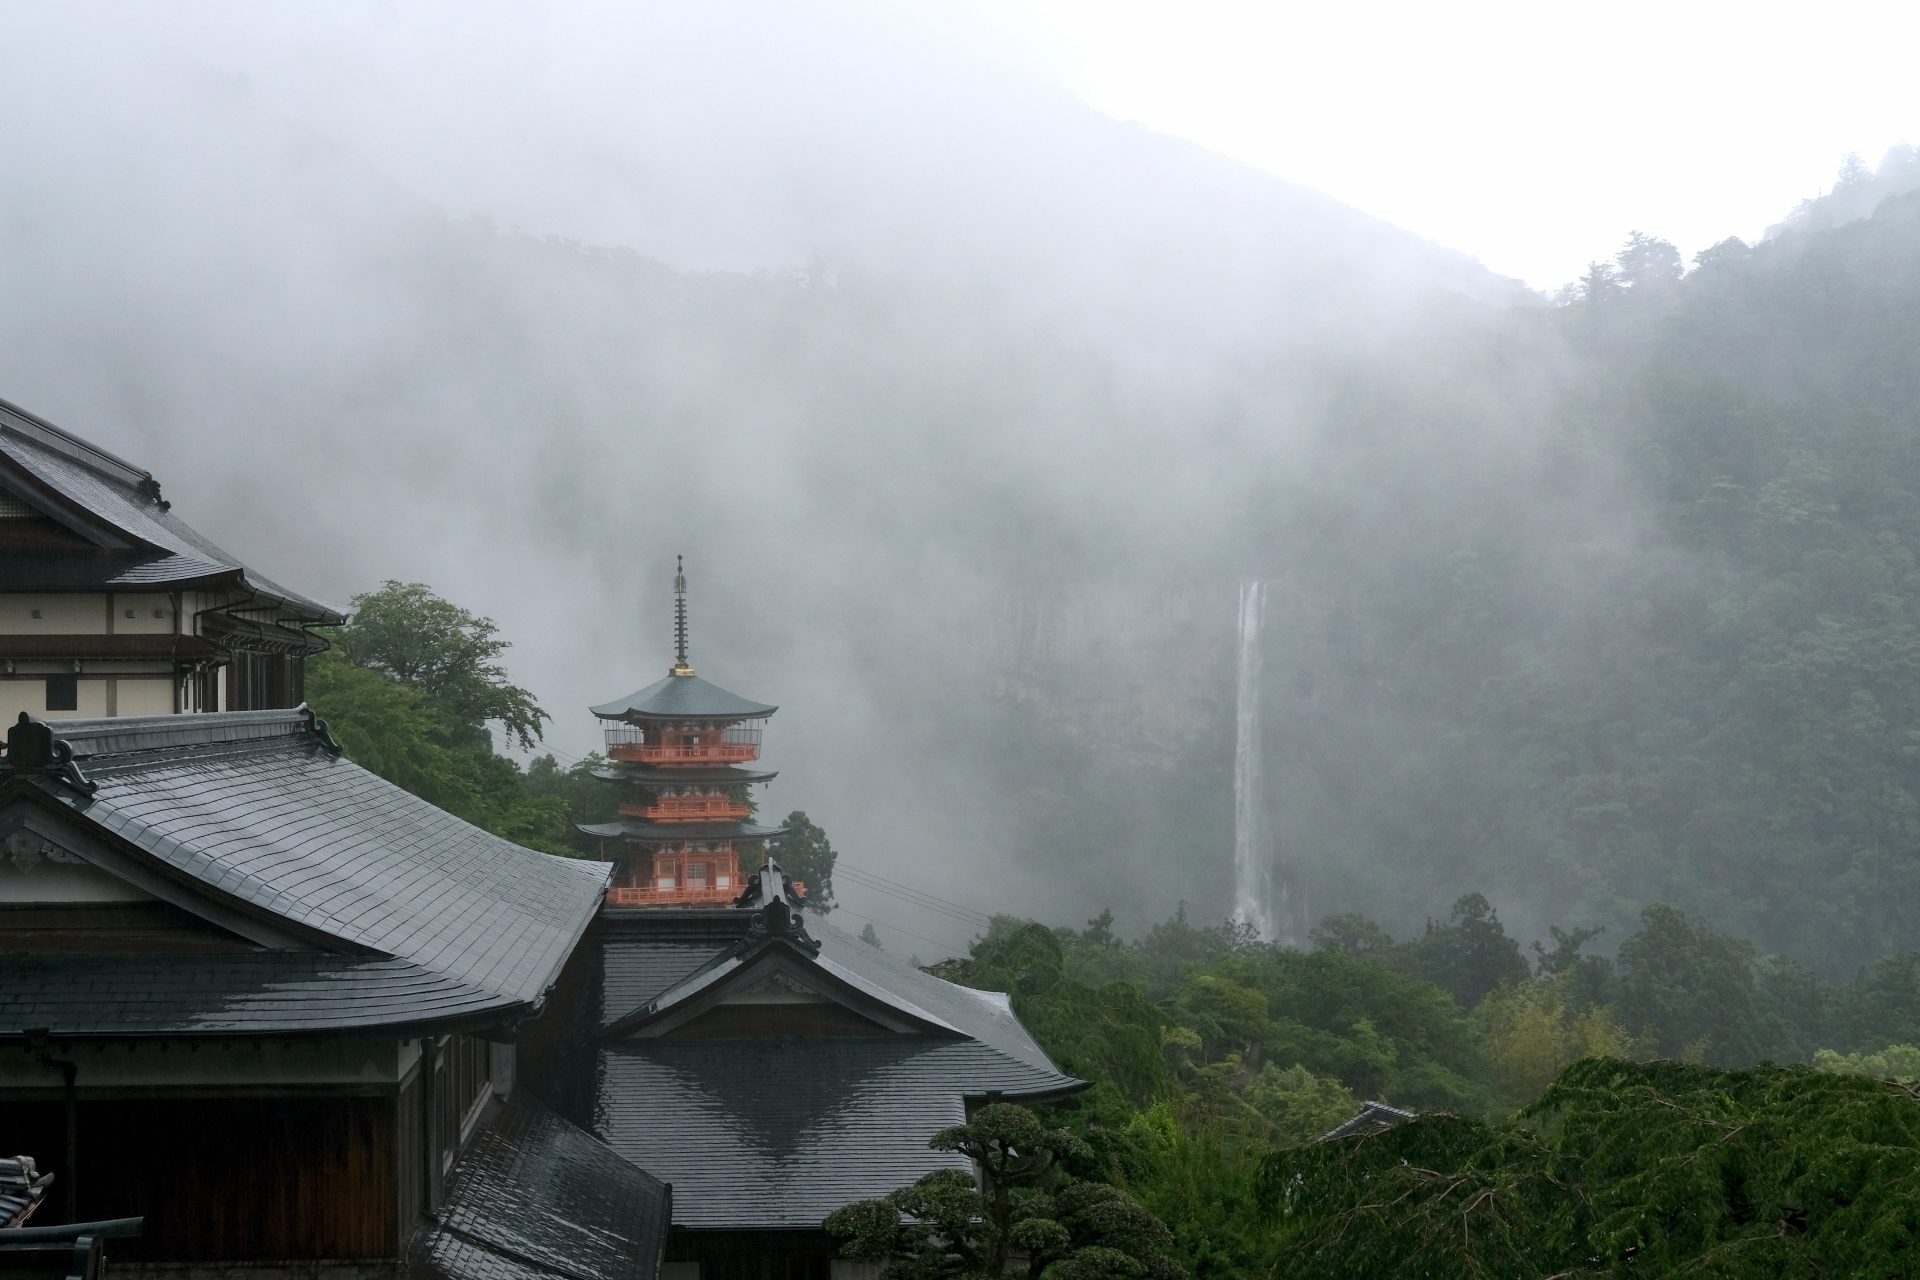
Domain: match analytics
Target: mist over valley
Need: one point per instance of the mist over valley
(973, 412)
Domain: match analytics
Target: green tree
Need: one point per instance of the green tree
(1620, 1169)
(1899, 1062)
(407, 690)
(870, 936)
(947, 1225)
(587, 796)
(1648, 263)
(1600, 284)
(806, 854)
(1353, 934)
(1534, 1033)
(1690, 989)
(1469, 955)
(447, 654)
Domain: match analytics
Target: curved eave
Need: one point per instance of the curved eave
(673, 832)
(683, 698)
(647, 776)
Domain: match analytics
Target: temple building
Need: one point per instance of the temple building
(266, 1016)
(773, 1068)
(268, 1002)
(111, 605)
(677, 749)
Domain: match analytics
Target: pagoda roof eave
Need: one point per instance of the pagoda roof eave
(665, 832)
(683, 698)
(712, 775)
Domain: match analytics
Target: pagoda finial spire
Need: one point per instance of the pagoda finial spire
(680, 667)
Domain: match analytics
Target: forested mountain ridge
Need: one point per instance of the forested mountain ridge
(1695, 681)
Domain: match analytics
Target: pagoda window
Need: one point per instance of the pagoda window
(696, 875)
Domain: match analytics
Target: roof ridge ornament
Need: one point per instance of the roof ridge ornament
(32, 748)
(777, 913)
(680, 666)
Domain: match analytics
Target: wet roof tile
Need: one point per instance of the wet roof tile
(777, 1132)
(228, 993)
(535, 1197)
(254, 805)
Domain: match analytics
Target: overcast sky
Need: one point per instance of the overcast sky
(1531, 135)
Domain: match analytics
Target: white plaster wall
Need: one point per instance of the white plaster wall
(144, 698)
(30, 695)
(152, 614)
(60, 614)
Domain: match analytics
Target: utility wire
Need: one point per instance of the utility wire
(957, 950)
(874, 880)
(919, 896)
(968, 918)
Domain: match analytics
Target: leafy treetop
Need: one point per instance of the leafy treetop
(946, 1225)
(449, 655)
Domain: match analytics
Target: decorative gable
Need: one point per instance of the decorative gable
(36, 869)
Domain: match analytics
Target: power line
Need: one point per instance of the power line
(921, 897)
(917, 896)
(897, 929)
(924, 902)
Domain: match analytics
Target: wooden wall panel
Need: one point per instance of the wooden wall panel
(252, 1178)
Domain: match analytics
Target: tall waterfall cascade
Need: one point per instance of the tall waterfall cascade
(1253, 876)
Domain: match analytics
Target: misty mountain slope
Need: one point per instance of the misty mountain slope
(1034, 377)
(1695, 682)
(1575, 607)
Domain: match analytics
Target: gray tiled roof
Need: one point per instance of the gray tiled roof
(780, 1131)
(645, 953)
(116, 493)
(987, 1016)
(535, 1197)
(687, 697)
(640, 962)
(1371, 1118)
(227, 993)
(253, 807)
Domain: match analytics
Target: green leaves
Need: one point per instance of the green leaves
(1621, 1169)
(808, 856)
(444, 653)
(408, 689)
(947, 1225)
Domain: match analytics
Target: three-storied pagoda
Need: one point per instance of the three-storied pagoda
(677, 747)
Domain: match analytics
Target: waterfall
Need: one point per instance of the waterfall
(1253, 877)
